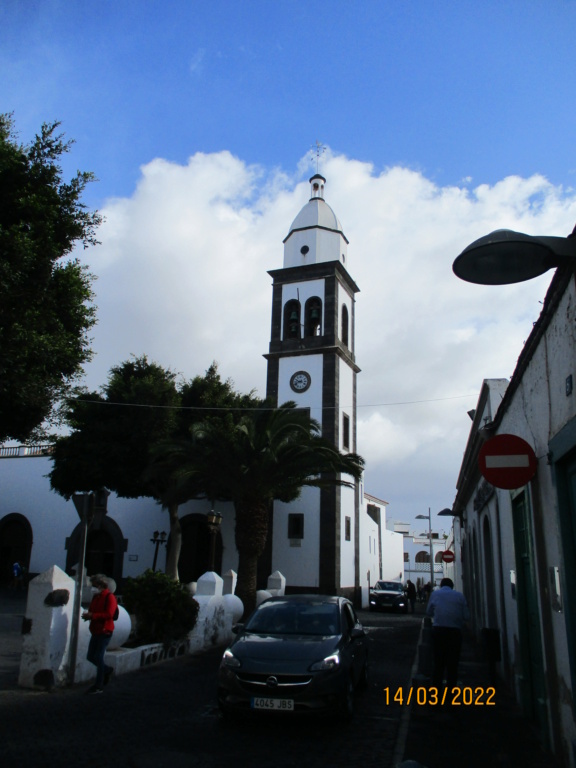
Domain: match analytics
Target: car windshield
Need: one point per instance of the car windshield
(389, 586)
(288, 618)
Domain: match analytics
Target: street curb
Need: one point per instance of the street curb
(400, 747)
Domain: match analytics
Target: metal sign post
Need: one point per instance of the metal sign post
(84, 503)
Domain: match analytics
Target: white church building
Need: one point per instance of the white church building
(331, 540)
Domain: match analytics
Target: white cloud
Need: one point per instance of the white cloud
(182, 277)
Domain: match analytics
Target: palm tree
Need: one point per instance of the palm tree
(267, 455)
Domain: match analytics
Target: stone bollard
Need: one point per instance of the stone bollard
(46, 630)
(276, 584)
(261, 595)
(211, 623)
(230, 578)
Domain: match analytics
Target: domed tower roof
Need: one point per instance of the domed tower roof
(316, 234)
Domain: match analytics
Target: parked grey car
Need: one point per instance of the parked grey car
(295, 654)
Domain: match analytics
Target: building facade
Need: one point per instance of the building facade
(311, 361)
(327, 541)
(516, 549)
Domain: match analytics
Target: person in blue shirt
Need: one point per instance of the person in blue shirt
(449, 611)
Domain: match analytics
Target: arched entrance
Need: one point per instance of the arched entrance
(15, 544)
(105, 549)
(195, 553)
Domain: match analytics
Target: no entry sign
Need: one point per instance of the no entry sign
(507, 461)
(448, 556)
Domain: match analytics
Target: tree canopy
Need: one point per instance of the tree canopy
(268, 454)
(46, 306)
(116, 433)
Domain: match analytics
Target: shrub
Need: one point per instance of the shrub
(165, 611)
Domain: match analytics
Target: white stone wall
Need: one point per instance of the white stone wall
(347, 548)
(46, 650)
(298, 563)
(25, 490)
(539, 408)
(391, 545)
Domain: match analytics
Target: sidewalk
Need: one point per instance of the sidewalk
(12, 609)
(474, 735)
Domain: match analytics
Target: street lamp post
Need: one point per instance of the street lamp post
(505, 257)
(157, 539)
(429, 518)
(213, 521)
(91, 508)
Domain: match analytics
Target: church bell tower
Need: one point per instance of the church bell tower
(311, 361)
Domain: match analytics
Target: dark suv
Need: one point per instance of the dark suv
(388, 594)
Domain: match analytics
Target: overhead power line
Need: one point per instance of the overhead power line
(271, 408)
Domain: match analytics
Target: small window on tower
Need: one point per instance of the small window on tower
(346, 431)
(348, 528)
(295, 525)
(344, 334)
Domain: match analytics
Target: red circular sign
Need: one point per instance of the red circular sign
(507, 461)
(448, 556)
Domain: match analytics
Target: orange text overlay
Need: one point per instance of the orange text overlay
(455, 697)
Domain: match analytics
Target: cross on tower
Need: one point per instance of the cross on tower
(318, 150)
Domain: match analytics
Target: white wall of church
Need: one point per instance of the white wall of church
(25, 490)
(347, 548)
(324, 246)
(299, 564)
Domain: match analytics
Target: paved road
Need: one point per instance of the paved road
(167, 716)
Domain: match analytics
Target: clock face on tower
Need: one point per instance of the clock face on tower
(300, 381)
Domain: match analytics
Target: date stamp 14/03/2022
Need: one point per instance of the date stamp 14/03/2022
(455, 697)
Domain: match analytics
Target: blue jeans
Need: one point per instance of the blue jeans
(96, 650)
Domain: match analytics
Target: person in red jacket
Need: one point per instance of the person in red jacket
(100, 614)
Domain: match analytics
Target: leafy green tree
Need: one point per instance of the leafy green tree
(45, 294)
(115, 433)
(266, 455)
(112, 432)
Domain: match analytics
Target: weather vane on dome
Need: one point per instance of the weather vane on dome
(318, 150)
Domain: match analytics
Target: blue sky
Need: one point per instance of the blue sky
(455, 90)
(442, 121)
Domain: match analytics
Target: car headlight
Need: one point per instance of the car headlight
(229, 660)
(330, 662)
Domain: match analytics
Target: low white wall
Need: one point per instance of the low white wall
(45, 660)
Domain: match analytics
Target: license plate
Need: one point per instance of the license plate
(285, 705)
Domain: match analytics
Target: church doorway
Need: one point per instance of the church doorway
(196, 547)
(15, 545)
(105, 547)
